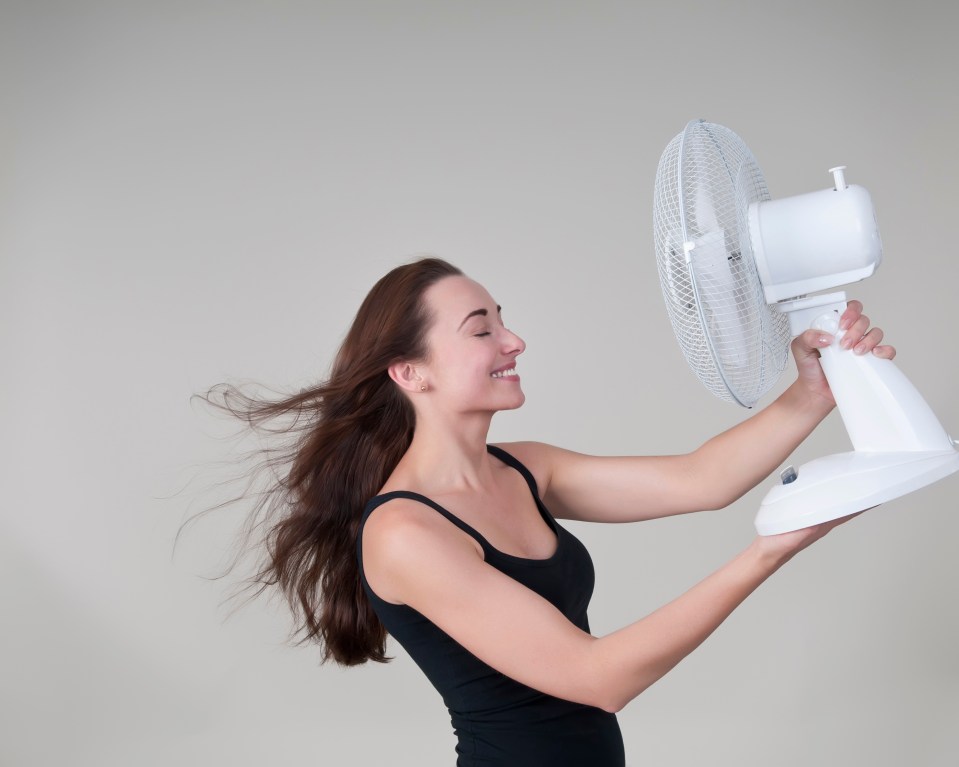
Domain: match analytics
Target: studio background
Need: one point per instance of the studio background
(204, 191)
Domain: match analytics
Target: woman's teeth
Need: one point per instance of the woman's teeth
(502, 373)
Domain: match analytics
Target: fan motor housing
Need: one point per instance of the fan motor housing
(820, 240)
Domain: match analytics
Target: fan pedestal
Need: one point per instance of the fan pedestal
(900, 446)
(838, 485)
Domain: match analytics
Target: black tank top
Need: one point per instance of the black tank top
(497, 720)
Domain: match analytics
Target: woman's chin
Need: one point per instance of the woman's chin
(517, 403)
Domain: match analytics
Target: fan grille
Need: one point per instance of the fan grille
(732, 340)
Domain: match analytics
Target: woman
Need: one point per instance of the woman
(397, 517)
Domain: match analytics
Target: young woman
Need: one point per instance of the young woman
(396, 517)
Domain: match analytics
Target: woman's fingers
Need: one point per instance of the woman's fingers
(853, 310)
(856, 332)
(885, 351)
(859, 336)
(869, 341)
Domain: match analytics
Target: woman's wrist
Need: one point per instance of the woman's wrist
(767, 554)
(808, 402)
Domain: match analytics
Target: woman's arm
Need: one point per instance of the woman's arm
(413, 556)
(634, 488)
(627, 489)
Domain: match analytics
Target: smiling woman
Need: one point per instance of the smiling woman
(471, 360)
(394, 516)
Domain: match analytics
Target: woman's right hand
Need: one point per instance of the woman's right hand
(779, 549)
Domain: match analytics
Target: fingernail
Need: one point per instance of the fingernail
(825, 340)
(861, 349)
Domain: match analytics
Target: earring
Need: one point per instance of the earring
(423, 388)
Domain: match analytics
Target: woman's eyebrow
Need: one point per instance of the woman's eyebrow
(476, 312)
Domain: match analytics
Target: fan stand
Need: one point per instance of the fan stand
(899, 444)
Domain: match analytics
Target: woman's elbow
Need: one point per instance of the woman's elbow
(611, 690)
(613, 703)
(613, 706)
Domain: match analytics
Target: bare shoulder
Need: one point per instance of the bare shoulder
(401, 538)
(540, 458)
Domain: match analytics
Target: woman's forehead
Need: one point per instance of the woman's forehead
(456, 295)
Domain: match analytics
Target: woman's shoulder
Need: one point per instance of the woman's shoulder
(537, 457)
(400, 533)
(399, 512)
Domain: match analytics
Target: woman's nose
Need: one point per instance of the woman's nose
(512, 343)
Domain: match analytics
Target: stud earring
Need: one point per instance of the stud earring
(423, 387)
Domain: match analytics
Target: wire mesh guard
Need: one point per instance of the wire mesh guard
(732, 340)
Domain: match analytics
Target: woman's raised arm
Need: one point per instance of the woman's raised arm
(628, 489)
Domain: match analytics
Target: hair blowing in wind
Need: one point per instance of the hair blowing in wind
(344, 437)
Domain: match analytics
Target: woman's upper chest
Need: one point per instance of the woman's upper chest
(507, 516)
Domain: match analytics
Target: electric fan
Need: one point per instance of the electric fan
(738, 271)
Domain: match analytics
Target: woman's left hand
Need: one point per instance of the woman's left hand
(859, 337)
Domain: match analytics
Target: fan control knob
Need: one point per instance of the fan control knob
(789, 475)
(828, 322)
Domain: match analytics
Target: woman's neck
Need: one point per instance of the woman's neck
(447, 457)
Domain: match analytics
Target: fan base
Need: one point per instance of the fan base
(838, 485)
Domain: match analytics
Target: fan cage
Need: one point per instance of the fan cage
(732, 340)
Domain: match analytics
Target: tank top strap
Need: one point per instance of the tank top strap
(510, 460)
(488, 548)
(378, 500)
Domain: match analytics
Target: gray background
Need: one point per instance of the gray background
(195, 192)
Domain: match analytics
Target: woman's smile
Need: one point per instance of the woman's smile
(508, 373)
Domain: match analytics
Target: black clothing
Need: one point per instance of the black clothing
(497, 720)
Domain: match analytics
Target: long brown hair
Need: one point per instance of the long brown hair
(344, 438)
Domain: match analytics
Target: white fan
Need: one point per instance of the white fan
(737, 270)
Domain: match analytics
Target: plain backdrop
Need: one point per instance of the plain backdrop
(196, 192)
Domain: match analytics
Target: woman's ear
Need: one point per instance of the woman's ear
(406, 377)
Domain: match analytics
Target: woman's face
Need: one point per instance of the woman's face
(472, 355)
